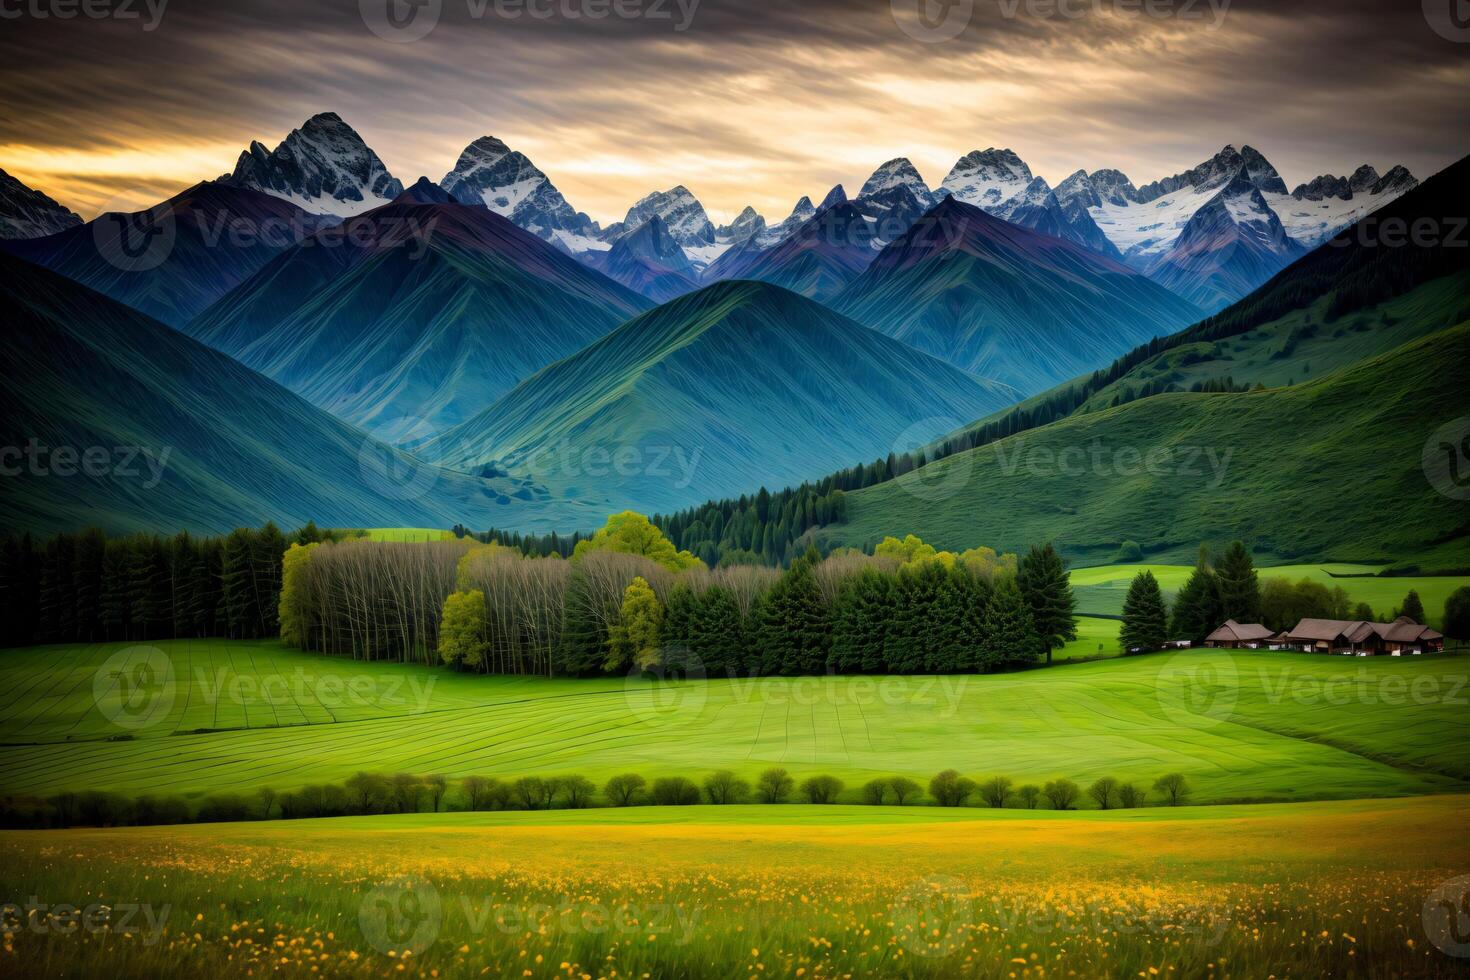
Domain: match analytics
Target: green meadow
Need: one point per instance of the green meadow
(235, 716)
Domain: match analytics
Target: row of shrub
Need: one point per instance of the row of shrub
(374, 793)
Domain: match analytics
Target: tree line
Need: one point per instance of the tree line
(372, 793)
(92, 588)
(627, 599)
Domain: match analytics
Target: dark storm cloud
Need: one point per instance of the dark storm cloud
(751, 103)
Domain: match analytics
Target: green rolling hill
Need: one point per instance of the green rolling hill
(1309, 472)
(738, 385)
(187, 438)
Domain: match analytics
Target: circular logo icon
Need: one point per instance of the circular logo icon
(135, 687)
(404, 469)
(1447, 459)
(1198, 688)
(401, 21)
(1450, 19)
(932, 916)
(1447, 917)
(401, 915)
(933, 21)
(134, 241)
(673, 692)
(932, 483)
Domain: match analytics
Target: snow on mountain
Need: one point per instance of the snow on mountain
(1216, 172)
(27, 213)
(747, 224)
(1320, 208)
(504, 180)
(1079, 189)
(649, 260)
(323, 168)
(1147, 223)
(896, 173)
(775, 234)
(1229, 247)
(680, 211)
(1040, 208)
(837, 195)
(987, 178)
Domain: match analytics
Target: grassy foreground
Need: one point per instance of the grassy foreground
(1326, 889)
(1242, 725)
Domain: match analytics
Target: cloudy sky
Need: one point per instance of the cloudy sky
(744, 102)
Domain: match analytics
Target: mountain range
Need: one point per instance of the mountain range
(696, 398)
(1345, 362)
(481, 322)
(1011, 304)
(414, 316)
(1199, 232)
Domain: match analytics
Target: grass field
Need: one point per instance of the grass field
(1101, 590)
(408, 534)
(1323, 889)
(1246, 725)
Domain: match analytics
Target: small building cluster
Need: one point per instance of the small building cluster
(1402, 637)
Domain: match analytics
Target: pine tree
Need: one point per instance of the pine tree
(679, 641)
(1240, 591)
(1145, 620)
(1047, 588)
(944, 628)
(1008, 631)
(90, 553)
(1413, 607)
(796, 632)
(1197, 608)
(718, 635)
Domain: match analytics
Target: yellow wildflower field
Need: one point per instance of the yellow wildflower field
(1362, 888)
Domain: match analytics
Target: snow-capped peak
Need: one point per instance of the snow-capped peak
(987, 178)
(746, 225)
(491, 174)
(1218, 171)
(324, 168)
(898, 172)
(1078, 189)
(680, 211)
